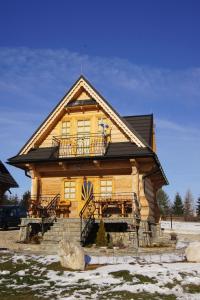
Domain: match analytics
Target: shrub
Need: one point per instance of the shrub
(101, 235)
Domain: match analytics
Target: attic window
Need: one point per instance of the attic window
(81, 102)
(83, 127)
(66, 128)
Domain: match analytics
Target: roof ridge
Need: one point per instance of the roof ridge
(135, 116)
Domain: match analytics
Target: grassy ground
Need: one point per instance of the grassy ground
(31, 278)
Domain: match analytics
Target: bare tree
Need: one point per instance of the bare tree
(188, 206)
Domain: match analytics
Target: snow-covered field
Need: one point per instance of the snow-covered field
(165, 276)
(182, 227)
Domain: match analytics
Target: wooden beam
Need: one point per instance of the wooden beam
(63, 165)
(97, 163)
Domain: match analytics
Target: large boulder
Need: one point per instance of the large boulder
(71, 255)
(192, 252)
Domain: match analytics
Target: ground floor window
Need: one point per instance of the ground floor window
(106, 188)
(70, 189)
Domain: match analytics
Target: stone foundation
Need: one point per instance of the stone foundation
(147, 234)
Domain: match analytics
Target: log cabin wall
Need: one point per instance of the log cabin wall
(55, 185)
(94, 116)
(147, 199)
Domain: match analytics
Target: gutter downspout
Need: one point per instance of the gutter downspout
(26, 174)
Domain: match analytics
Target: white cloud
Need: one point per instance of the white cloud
(36, 72)
(172, 126)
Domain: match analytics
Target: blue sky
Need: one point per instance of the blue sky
(143, 56)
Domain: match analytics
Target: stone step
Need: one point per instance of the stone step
(71, 225)
(58, 230)
(61, 232)
(62, 228)
(68, 221)
(60, 237)
(65, 234)
(56, 241)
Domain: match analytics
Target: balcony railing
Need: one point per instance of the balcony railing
(43, 205)
(81, 145)
(110, 205)
(116, 204)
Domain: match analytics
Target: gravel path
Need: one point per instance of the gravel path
(9, 240)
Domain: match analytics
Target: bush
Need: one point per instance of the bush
(101, 239)
(119, 243)
(173, 236)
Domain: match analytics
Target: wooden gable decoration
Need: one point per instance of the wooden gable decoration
(82, 90)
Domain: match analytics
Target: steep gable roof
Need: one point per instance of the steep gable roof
(5, 177)
(142, 124)
(82, 82)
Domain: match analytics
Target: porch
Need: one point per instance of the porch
(110, 206)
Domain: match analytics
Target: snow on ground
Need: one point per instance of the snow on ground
(182, 227)
(164, 276)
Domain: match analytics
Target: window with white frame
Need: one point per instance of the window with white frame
(70, 190)
(106, 188)
(83, 127)
(66, 128)
(83, 132)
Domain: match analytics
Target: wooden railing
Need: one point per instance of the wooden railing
(87, 219)
(81, 145)
(114, 205)
(43, 205)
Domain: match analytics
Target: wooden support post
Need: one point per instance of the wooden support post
(123, 210)
(35, 184)
(135, 174)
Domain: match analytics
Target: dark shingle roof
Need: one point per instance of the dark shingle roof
(5, 177)
(123, 149)
(37, 154)
(143, 125)
(115, 150)
(126, 149)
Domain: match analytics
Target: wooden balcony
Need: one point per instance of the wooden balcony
(115, 205)
(81, 145)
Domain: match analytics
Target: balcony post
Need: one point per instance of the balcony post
(135, 185)
(135, 174)
(35, 184)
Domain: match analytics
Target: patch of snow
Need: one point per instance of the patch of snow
(182, 244)
(17, 257)
(48, 259)
(145, 258)
(21, 273)
(191, 280)
(181, 227)
(4, 272)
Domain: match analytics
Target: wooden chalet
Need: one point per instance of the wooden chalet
(86, 161)
(6, 180)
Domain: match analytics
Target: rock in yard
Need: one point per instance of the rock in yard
(182, 244)
(71, 255)
(192, 252)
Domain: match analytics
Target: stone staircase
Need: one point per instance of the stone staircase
(62, 228)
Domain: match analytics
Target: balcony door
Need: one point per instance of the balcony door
(83, 137)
